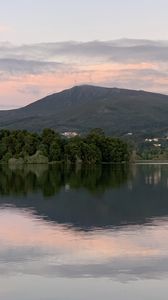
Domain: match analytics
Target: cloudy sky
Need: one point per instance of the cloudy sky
(49, 45)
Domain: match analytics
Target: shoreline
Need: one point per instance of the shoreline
(136, 162)
(152, 162)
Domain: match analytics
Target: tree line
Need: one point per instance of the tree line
(50, 146)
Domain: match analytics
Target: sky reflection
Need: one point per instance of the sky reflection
(104, 237)
(31, 245)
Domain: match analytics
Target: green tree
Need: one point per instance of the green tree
(90, 153)
(72, 150)
(55, 151)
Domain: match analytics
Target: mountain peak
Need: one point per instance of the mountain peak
(80, 108)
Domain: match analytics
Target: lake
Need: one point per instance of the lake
(84, 233)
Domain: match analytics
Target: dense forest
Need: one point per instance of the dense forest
(21, 146)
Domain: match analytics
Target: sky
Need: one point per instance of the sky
(50, 45)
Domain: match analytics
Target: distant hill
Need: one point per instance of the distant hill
(117, 111)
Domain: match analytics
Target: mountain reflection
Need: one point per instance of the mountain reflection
(102, 222)
(33, 246)
(103, 196)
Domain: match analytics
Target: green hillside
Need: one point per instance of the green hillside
(117, 111)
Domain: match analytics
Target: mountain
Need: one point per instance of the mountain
(117, 111)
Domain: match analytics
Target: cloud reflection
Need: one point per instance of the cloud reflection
(30, 245)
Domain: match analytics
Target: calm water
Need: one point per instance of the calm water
(77, 234)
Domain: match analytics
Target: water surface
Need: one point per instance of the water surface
(84, 233)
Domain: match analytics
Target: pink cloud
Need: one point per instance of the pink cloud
(20, 90)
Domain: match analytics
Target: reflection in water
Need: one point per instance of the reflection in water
(50, 179)
(35, 246)
(83, 226)
(88, 197)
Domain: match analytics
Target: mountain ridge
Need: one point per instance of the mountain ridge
(80, 108)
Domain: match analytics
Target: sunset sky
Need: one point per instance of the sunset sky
(50, 45)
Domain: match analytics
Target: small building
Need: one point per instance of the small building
(152, 140)
(148, 140)
(70, 134)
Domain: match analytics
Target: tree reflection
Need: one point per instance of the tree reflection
(49, 180)
(88, 197)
